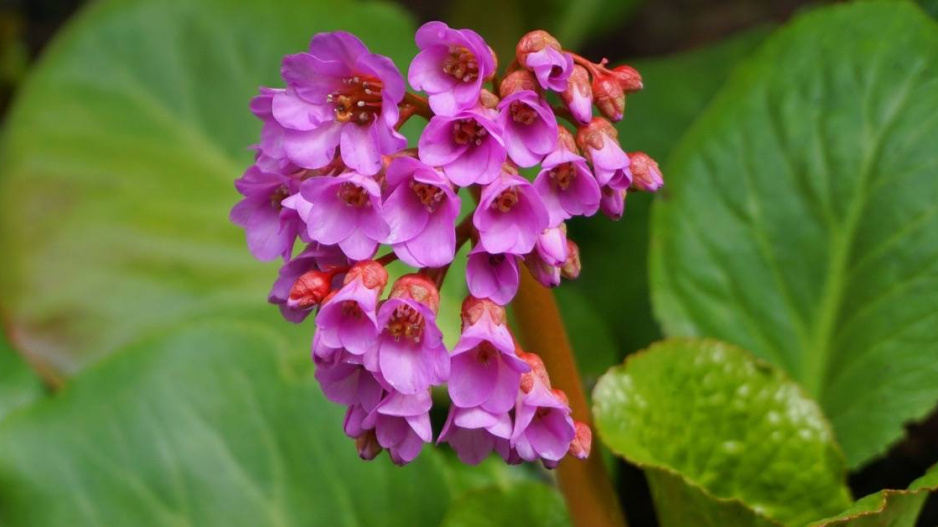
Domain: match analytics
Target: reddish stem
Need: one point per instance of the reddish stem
(585, 483)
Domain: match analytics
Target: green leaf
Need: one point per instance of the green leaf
(18, 384)
(118, 162)
(799, 221)
(887, 508)
(215, 424)
(723, 437)
(614, 282)
(530, 505)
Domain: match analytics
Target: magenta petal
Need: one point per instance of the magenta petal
(313, 148)
(506, 389)
(472, 381)
(405, 214)
(359, 147)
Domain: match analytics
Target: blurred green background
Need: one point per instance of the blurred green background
(143, 378)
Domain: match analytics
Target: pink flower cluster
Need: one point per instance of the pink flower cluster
(333, 171)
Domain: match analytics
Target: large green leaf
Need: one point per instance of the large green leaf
(18, 384)
(529, 505)
(214, 424)
(800, 218)
(117, 165)
(725, 439)
(613, 291)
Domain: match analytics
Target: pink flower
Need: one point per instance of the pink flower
(610, 164)
(468, 146)
(402, 424)
(492, 276)
(346, 210)
(411, 355)
(485, 369)
(529, 127)
(578, 97)
(271, 229)
(421, 210)
(339, 95)
(510, 215)
(567, 187)
(348, 319)
(451, 67)
(348, 383)
(647, 175)
(543, 426)
(474, 433)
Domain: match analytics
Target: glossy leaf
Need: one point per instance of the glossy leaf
(214, 424)
(18, 384)
(800, 223)
(724, 438)
(887, 508)
(118, 159)
(529, 505)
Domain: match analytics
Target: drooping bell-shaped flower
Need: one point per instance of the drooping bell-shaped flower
(348, 319)
(271, 228)
(485, 369)
(411, 354)
(402, 424)
(492, 276)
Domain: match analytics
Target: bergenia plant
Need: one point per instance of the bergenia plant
(333, 172)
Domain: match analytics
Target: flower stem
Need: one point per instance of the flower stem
(585, 484)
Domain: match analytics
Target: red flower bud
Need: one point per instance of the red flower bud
(566, 140)
(646, 176)
(595, 133)
(310, 290)
(516, 81)
(372, 273)
(571, 267)
(628, 77)
(473, 308)
(609, 96)
(538, 371)
(582, 442)
(419, 288)
(488, 99)
(367, 445)
(533, 42)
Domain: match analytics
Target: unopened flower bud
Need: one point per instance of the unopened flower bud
(473, 308)
(561, 396)
(310, 289)
(566, 140)
(372, 273)
(367, 445)
(533, 42)
(609, 97)
(594, 135)
(583, 441)
(551, 245)
(488, 99)
(612, 202)
(538, 371)
(518, 80)
(578, 97)
(571, 267)
(546, 274)
(628, 77)
(646, 176)
(417, 287)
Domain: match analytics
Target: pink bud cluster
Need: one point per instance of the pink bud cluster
(333, 171)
